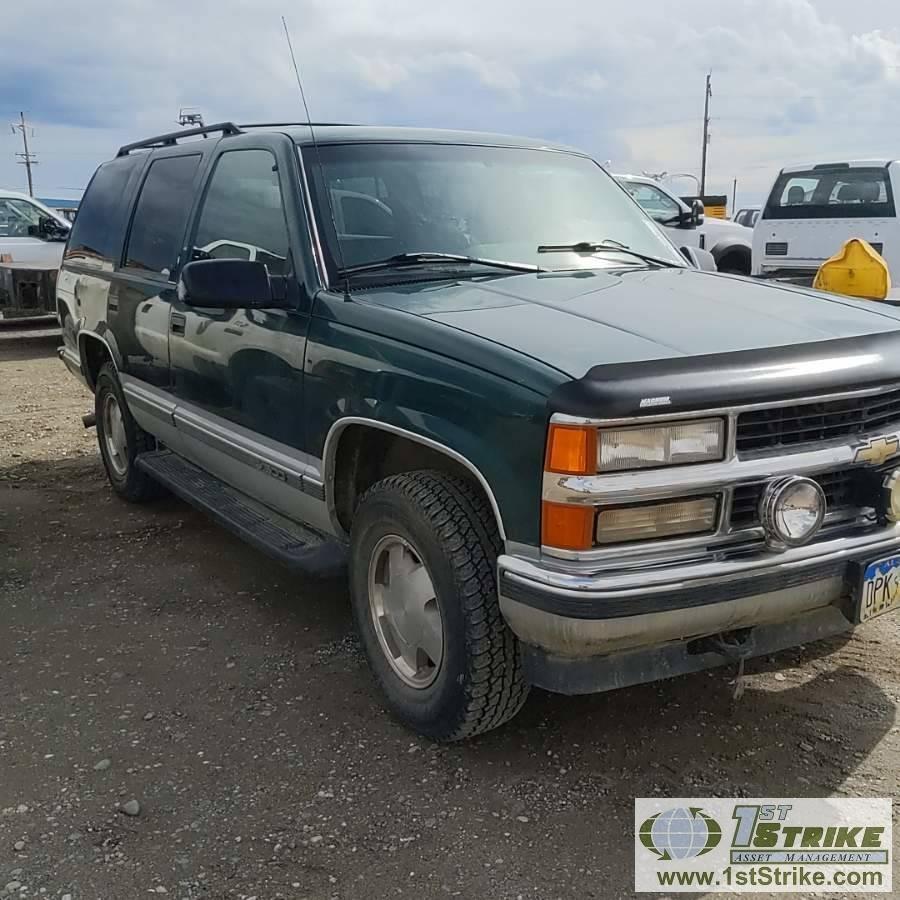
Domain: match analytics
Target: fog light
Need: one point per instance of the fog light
(792, 510)
(656, 520)
(891, 496)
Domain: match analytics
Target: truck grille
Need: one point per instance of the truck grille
(840, 494)
(765, 429)
(776, 248)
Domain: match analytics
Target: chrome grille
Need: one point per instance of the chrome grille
(782, 426)
(841, 489)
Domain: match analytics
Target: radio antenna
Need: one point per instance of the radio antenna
(321, 168)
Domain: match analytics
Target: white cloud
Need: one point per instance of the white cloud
(792, 79)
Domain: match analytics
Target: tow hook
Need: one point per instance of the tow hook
(735, 645)
(89, 421)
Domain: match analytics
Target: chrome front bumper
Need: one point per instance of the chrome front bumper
(575, 613)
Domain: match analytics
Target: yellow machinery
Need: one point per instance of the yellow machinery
(857, 270)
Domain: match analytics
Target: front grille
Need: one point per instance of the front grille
(776, 248)
(766, 429)
(841, 495)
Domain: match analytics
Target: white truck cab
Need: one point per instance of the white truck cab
(31, 234)
(728, 242)
(814, 209)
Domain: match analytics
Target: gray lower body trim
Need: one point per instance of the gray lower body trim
(278, 475)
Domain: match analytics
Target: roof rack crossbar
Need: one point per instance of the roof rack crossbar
(299, 124)
(171, 139)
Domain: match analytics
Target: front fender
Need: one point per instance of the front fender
(494, 423)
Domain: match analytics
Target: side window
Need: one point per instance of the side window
(97, 230)
(660, 206)
(160, 215)
(242, 215)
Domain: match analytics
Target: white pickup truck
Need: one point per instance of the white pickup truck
(728, 243)
(814, 209)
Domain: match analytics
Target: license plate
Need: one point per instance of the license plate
(880, 588)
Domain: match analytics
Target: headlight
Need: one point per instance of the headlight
(649, 446)
(649, 521)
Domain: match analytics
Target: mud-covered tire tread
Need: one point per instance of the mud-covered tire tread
(463, 524)
(137, 486)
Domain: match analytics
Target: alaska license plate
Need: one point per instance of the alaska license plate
(880, 588)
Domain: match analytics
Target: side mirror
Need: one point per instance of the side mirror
(699, 259)
(698, 211)
(49, 229)
(226, 284)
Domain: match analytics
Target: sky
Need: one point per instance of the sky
(792, 80)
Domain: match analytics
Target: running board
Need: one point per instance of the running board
(293, 545)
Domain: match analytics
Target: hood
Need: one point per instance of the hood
(724, 227)
(575, 321)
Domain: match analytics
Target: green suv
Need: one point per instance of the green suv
(469, 370)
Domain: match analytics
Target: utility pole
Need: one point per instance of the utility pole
(734, 198)
(27, 158)
(705, 133)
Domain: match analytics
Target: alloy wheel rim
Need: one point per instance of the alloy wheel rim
(405, 612)
(114, 435)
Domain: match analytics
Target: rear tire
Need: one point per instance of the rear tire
(441, 532)
(121, 439)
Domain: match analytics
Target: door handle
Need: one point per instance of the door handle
(177, 323)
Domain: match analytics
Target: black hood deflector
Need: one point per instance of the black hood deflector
(681, 384)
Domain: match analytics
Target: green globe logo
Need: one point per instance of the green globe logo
(680, 833)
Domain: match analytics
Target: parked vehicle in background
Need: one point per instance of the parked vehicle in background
(728, 243)
(30, 233)
(473, 370)
(812, 210)
(747, 216)
(32, 238)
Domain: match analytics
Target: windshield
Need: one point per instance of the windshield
(489, 202)
(831, 192)
(656, 203)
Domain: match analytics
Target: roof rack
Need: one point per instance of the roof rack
(302, 124)
(171, 139)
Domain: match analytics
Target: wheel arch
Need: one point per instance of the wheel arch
(340, 493)
(94, 351)
(733, 249)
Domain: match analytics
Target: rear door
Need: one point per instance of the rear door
(811, 213)
(139, 302)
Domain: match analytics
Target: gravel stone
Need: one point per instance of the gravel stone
(131, 808)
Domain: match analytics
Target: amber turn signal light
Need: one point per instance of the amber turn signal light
(572, 450)
(567, 527)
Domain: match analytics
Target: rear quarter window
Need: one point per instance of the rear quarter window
(99, 227)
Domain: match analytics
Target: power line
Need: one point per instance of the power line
(26, 158)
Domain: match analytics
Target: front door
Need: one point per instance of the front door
(238, 374)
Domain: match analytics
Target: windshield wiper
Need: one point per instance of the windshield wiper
(608, 244)
(426, 258)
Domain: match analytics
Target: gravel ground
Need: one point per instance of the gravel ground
(152, 664)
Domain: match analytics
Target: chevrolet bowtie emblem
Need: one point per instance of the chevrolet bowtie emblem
(877, 450)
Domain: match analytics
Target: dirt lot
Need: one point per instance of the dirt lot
(147, 655)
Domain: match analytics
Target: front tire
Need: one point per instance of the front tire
(423, 585)
(121, 439)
